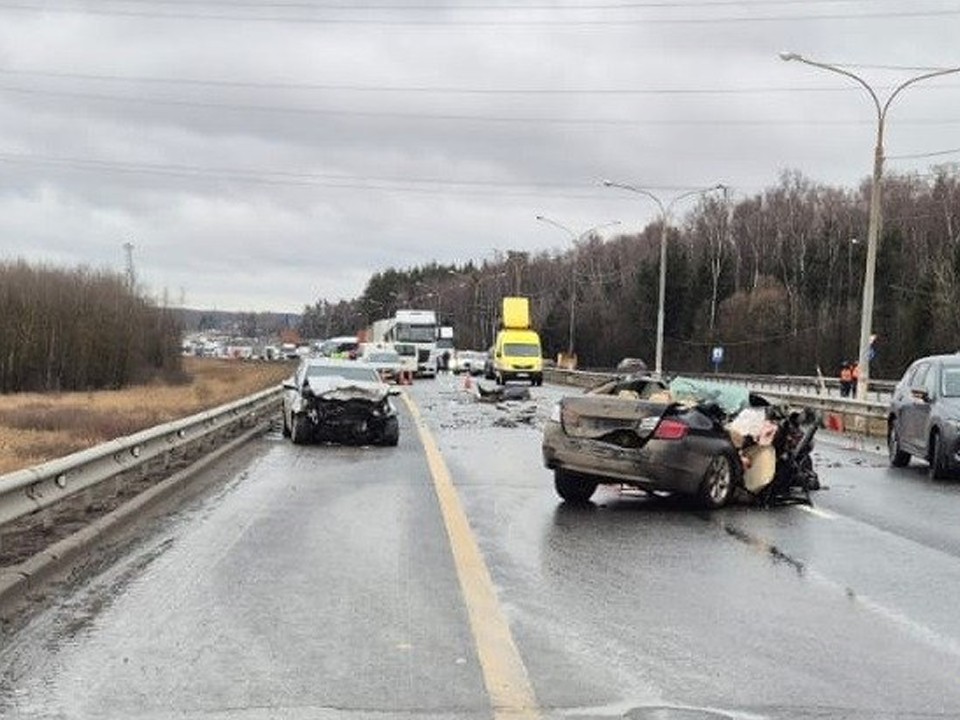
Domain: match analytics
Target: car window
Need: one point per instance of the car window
(907, 378)
(930, 383)
(919, 377)
(348, 372)
(521, 350)
(950, 381)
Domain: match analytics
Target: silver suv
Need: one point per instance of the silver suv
(924, 416)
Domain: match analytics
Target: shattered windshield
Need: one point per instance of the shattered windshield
(729, 398)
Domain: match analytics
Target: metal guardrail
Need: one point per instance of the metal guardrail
(878, 390)
(25, 491)
(860, 416)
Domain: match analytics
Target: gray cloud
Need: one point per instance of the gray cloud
(296, 171)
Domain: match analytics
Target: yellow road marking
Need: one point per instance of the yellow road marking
(504, 673)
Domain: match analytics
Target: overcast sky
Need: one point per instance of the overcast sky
(261, 154)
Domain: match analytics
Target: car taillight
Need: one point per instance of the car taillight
(670, 430)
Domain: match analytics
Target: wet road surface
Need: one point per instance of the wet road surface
(322, 582)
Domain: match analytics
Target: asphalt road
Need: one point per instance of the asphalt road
(331, 582)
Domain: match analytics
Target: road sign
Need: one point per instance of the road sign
(716, 355)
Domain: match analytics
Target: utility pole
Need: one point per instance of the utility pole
(665, 209)
(876, 217)
(131, 277)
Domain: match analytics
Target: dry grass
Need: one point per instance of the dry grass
(35, 428)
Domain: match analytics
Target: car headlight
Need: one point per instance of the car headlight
(555, 413)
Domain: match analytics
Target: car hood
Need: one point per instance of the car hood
(338, 388)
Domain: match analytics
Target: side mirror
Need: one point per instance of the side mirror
(920, 394)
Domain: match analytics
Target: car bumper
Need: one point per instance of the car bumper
(669, 465)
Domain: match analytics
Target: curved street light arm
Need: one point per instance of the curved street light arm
(904, 85)
(787, 57)
(640, 191)
(550, 221)
(699, 191)
(589, 231)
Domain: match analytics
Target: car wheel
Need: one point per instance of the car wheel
(717, 486)
(898, 457)
(300, 432)
(285, 427)
(938, 465)
(572, 487)
(391, 432)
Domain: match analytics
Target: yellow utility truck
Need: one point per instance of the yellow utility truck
(517, 354)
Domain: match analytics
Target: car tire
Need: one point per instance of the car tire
(300, 431)
(938, 465)
(574, 488)
(391, 432)
(284, 427)
(718, 483)
(898, 456)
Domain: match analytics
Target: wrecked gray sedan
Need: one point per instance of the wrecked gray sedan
(689, 437)
(339, 401)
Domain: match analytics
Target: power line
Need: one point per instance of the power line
(912, 68)
(453, 117)
(445, 90)
(450, 22)
(935, 153)
(344, 182)
(495, 7)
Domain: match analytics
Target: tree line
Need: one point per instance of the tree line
(80, 329)
(775, 278)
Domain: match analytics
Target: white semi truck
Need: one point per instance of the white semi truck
(411, 331)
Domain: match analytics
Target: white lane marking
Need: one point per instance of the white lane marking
(826, 515)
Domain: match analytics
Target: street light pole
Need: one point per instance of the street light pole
(664, 219)
(573, 265)
(875, 220)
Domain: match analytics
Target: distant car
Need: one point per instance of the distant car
(386, 361)
(469, 361)
(631, 366)
(340, 401)
(924, 415)
(345, 346)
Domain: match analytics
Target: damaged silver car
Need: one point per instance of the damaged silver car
(339, 401)
(705, 440)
